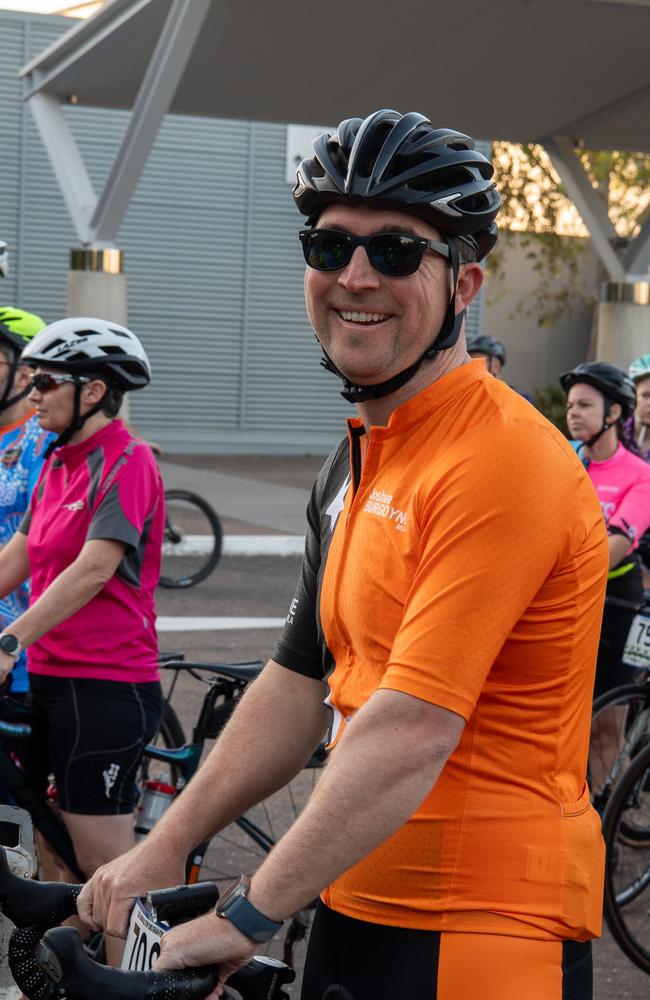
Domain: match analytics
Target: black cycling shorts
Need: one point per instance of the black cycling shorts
(90, 734)
(610, 669)
(350, 959)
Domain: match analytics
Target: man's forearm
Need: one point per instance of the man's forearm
(274, 730)
(384, 767)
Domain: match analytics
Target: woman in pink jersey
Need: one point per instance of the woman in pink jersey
(91, 542)
(600, 398)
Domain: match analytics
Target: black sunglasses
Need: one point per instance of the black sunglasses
(395, 254)
(44, 382)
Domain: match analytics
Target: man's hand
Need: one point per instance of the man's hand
(209, 940)
(107, 899)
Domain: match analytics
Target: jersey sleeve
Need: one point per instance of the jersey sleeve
(632, 516)
(127, 499)
(493, 527)
(298, 647)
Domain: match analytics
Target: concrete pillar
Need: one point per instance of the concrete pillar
(97, 284)
(97, 287)
(623, 322)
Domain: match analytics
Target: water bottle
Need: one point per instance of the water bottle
(155, 799)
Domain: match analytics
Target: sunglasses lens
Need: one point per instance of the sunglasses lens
(327, 251)
(394, 254)
(43, 382)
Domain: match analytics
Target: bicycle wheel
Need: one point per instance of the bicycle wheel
(620, 728)
(193, 539)
(627, 874)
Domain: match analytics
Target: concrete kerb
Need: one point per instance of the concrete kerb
(260, 503)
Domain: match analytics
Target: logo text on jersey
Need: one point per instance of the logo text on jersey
(381, 505)
(75, 505)
(110, 776)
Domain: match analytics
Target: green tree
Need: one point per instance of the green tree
(536, 206)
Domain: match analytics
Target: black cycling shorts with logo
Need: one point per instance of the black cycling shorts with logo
(90, 734)
(350, 959)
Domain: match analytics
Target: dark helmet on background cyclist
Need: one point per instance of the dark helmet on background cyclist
(615, 388)
(480, 345)
(600, 399)
(85, 347)
(401, 163)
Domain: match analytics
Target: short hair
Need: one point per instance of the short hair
(113, 397)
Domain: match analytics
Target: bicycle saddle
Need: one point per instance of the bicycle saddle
(246, 671)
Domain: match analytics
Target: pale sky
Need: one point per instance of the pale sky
(38, 6)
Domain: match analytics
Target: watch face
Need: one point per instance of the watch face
(9, 644)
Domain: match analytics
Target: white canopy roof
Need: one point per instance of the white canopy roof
(558, 72)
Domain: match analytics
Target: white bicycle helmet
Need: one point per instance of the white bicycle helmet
(640, 368)
(4, 259)
(83, 344)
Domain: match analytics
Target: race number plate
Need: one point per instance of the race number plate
(142, 941)
(637, 644)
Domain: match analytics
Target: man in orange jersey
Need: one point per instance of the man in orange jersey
(447, 615)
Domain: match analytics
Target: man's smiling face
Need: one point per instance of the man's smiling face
(373, 326)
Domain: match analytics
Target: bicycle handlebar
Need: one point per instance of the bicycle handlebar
(49, 962)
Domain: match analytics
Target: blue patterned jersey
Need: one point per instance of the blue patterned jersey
(22, 450)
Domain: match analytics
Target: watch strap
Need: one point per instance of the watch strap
(237, 908)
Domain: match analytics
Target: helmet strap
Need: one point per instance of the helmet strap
(606, 425)
(6, 402)
(446, 337)
(77, 421)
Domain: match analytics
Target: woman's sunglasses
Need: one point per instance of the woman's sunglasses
(45, 382)
(395, 254)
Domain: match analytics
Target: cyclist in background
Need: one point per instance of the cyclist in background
(637, 432)
(600, 400)
(22, 453)
(91, 542)
(4, 259)
(480, 345)
(450, 835)
(637, 425)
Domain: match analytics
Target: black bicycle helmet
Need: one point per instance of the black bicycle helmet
(481, 343)
(401, 162)
(615, 384)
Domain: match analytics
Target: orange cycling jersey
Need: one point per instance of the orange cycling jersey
(464, 564)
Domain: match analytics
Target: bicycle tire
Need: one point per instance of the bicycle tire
(620, 728)
(179, 570)
(627, 871)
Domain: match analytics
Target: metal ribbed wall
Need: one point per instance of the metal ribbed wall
(213, 262)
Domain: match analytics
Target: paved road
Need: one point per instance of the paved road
(262, 587)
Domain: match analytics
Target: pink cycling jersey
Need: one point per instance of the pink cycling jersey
(105, 487)
(622, 483)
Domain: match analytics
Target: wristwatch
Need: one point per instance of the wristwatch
(10, 645)
(236, 908)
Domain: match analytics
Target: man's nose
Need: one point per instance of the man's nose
(359, 273)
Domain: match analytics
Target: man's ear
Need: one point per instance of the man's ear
(470, 279)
